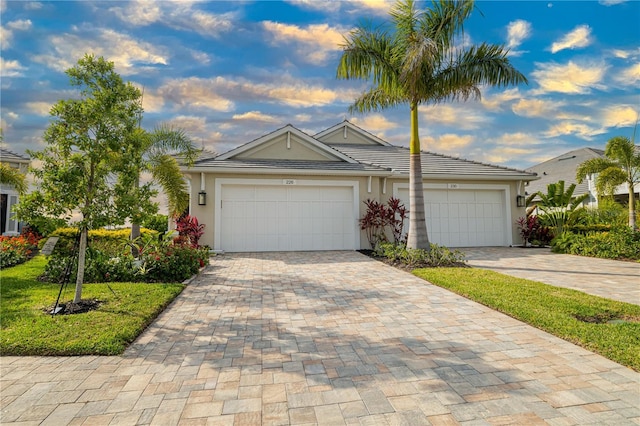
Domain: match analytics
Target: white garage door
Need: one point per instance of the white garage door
(464, 218)
(287, 218)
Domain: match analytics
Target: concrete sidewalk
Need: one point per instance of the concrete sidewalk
(612, 279)
(324, 338)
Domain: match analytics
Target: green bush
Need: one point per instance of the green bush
(156, 222)
(160, 260)
(112, 242)
(619, 243)
(16, 250)
(437, 256)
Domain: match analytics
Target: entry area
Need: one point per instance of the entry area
(289, 215)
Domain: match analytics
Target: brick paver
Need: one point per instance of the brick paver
(612, 279)
(324, 338)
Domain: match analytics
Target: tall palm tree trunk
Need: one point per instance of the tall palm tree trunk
(632, 206)
(418, 237)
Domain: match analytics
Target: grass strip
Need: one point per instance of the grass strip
(553, 309)
(26, 328)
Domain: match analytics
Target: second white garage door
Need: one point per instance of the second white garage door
(464, 217)
(286, 218)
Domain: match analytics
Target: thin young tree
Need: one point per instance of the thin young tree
(84, 153)
(620, 165)
(414, 60)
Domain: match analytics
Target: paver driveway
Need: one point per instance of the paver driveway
(324, 338)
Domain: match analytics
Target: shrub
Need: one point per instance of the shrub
(619, 243)
(437, 256)
(190, 230)
(533, 232)
(156, 222)
(16, 250)
(379, 217)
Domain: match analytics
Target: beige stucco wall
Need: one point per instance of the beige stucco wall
(205, 214)
(337, 137)
(286, 147)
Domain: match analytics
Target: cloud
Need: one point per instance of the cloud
(611, 2)
(498, 101)
(255, 116)
(458, 115)
(6, 32)
(180, 15)
(536, 108)
(449, 143)
(570, 78)
(579, 130)
(195, 92)
(376, 124)
(517, 32)
(629, 76)
(126, 53)
(20, 25)
(315, 43)
(10, 68)
(366, 7)
(580, 36)
(39, 107)
(620, 116)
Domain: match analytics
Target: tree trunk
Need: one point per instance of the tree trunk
(82, 251)
(418, 237)
(135, 227)
(632, 206)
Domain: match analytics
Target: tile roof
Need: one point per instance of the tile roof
(9, 156)
(563, 167)
(433, 165)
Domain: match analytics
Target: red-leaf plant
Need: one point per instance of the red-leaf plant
(190, 230)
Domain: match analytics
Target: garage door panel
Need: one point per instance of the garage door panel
(463, 217)
(287, 218)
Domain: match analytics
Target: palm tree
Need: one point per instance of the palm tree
(155, 153)
(620, 165)
(13, 177)
(416, 62)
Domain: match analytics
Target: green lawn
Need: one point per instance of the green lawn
(27, 329)
(552, 309)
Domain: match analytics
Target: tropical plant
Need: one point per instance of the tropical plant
(13, 177)
(533, 231)
(559, 207)
(86, 143)
(620, 165)
(189, 230)
(155, 152)
(415, 61)
(379, 217)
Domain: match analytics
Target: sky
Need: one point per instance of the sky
(229, 72)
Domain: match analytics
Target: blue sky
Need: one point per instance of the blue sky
(229, 72)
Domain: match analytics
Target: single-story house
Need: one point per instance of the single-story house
(289, 191)
(564, 167)
(8, 194)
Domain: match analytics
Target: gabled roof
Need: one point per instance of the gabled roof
(305, 138)
(12, 157)
(361, 154)
(563, 167)
(434, 165)
(344, 127)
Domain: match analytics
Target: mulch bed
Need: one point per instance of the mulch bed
(70, 308)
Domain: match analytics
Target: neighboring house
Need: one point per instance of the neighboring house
(290, 191)
(564, 167)
(8, 195)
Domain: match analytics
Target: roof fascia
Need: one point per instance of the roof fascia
(288, 128)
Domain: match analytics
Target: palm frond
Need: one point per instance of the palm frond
(592, 166)
(166, 172)
(13, 177)
(376, 99)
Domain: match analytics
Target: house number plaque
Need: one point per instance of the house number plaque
(288, 181)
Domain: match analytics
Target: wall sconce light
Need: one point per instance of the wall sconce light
(202, 198)
(520, 201)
